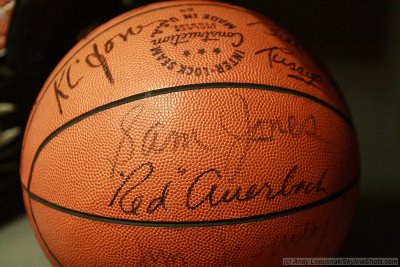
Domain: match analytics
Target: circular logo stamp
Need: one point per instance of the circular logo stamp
(197, 44)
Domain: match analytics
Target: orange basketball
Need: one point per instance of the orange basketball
(189, 133)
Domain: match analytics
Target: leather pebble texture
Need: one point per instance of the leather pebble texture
(189, 133)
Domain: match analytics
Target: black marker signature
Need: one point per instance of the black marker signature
(264, 130)
(66, 80)
(284, 56)
(160, 257)
(207, 187)
(322, 231)
(126, 146)
(132, 180)
(158, 138)
(131, 201)
(206, 190)
(215, 195)
(97, 58)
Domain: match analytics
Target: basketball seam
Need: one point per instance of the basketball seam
(175, 89)
(157, 92)
(40, 233)
(32, 196)
(192, 224)
(50, 82)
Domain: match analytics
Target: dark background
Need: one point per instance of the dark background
(358, 41)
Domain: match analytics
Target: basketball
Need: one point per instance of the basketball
(189, 133)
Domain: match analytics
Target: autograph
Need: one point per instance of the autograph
(216, 195)
(263, 131)
(137, 193)
(131, 199)
(286, 57)
(68, 80)
(161, 257)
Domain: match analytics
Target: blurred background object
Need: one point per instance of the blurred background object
(10, 131)
(6, 9)
(33, 40)
(358, 41)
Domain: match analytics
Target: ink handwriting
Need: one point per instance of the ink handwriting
(71, 75)
(131, 202)
(205, 190)
(216, 195)
(209, 187)
(285, 57)
(160, 257)
(158, 139)
(263, 130)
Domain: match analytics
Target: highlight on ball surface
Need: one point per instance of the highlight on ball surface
(189, 133)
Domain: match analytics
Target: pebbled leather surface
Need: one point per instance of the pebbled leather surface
(189, 133)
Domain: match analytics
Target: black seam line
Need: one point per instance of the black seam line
(175, 89)
(40, 234)
(192, 224)
(50, 82)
